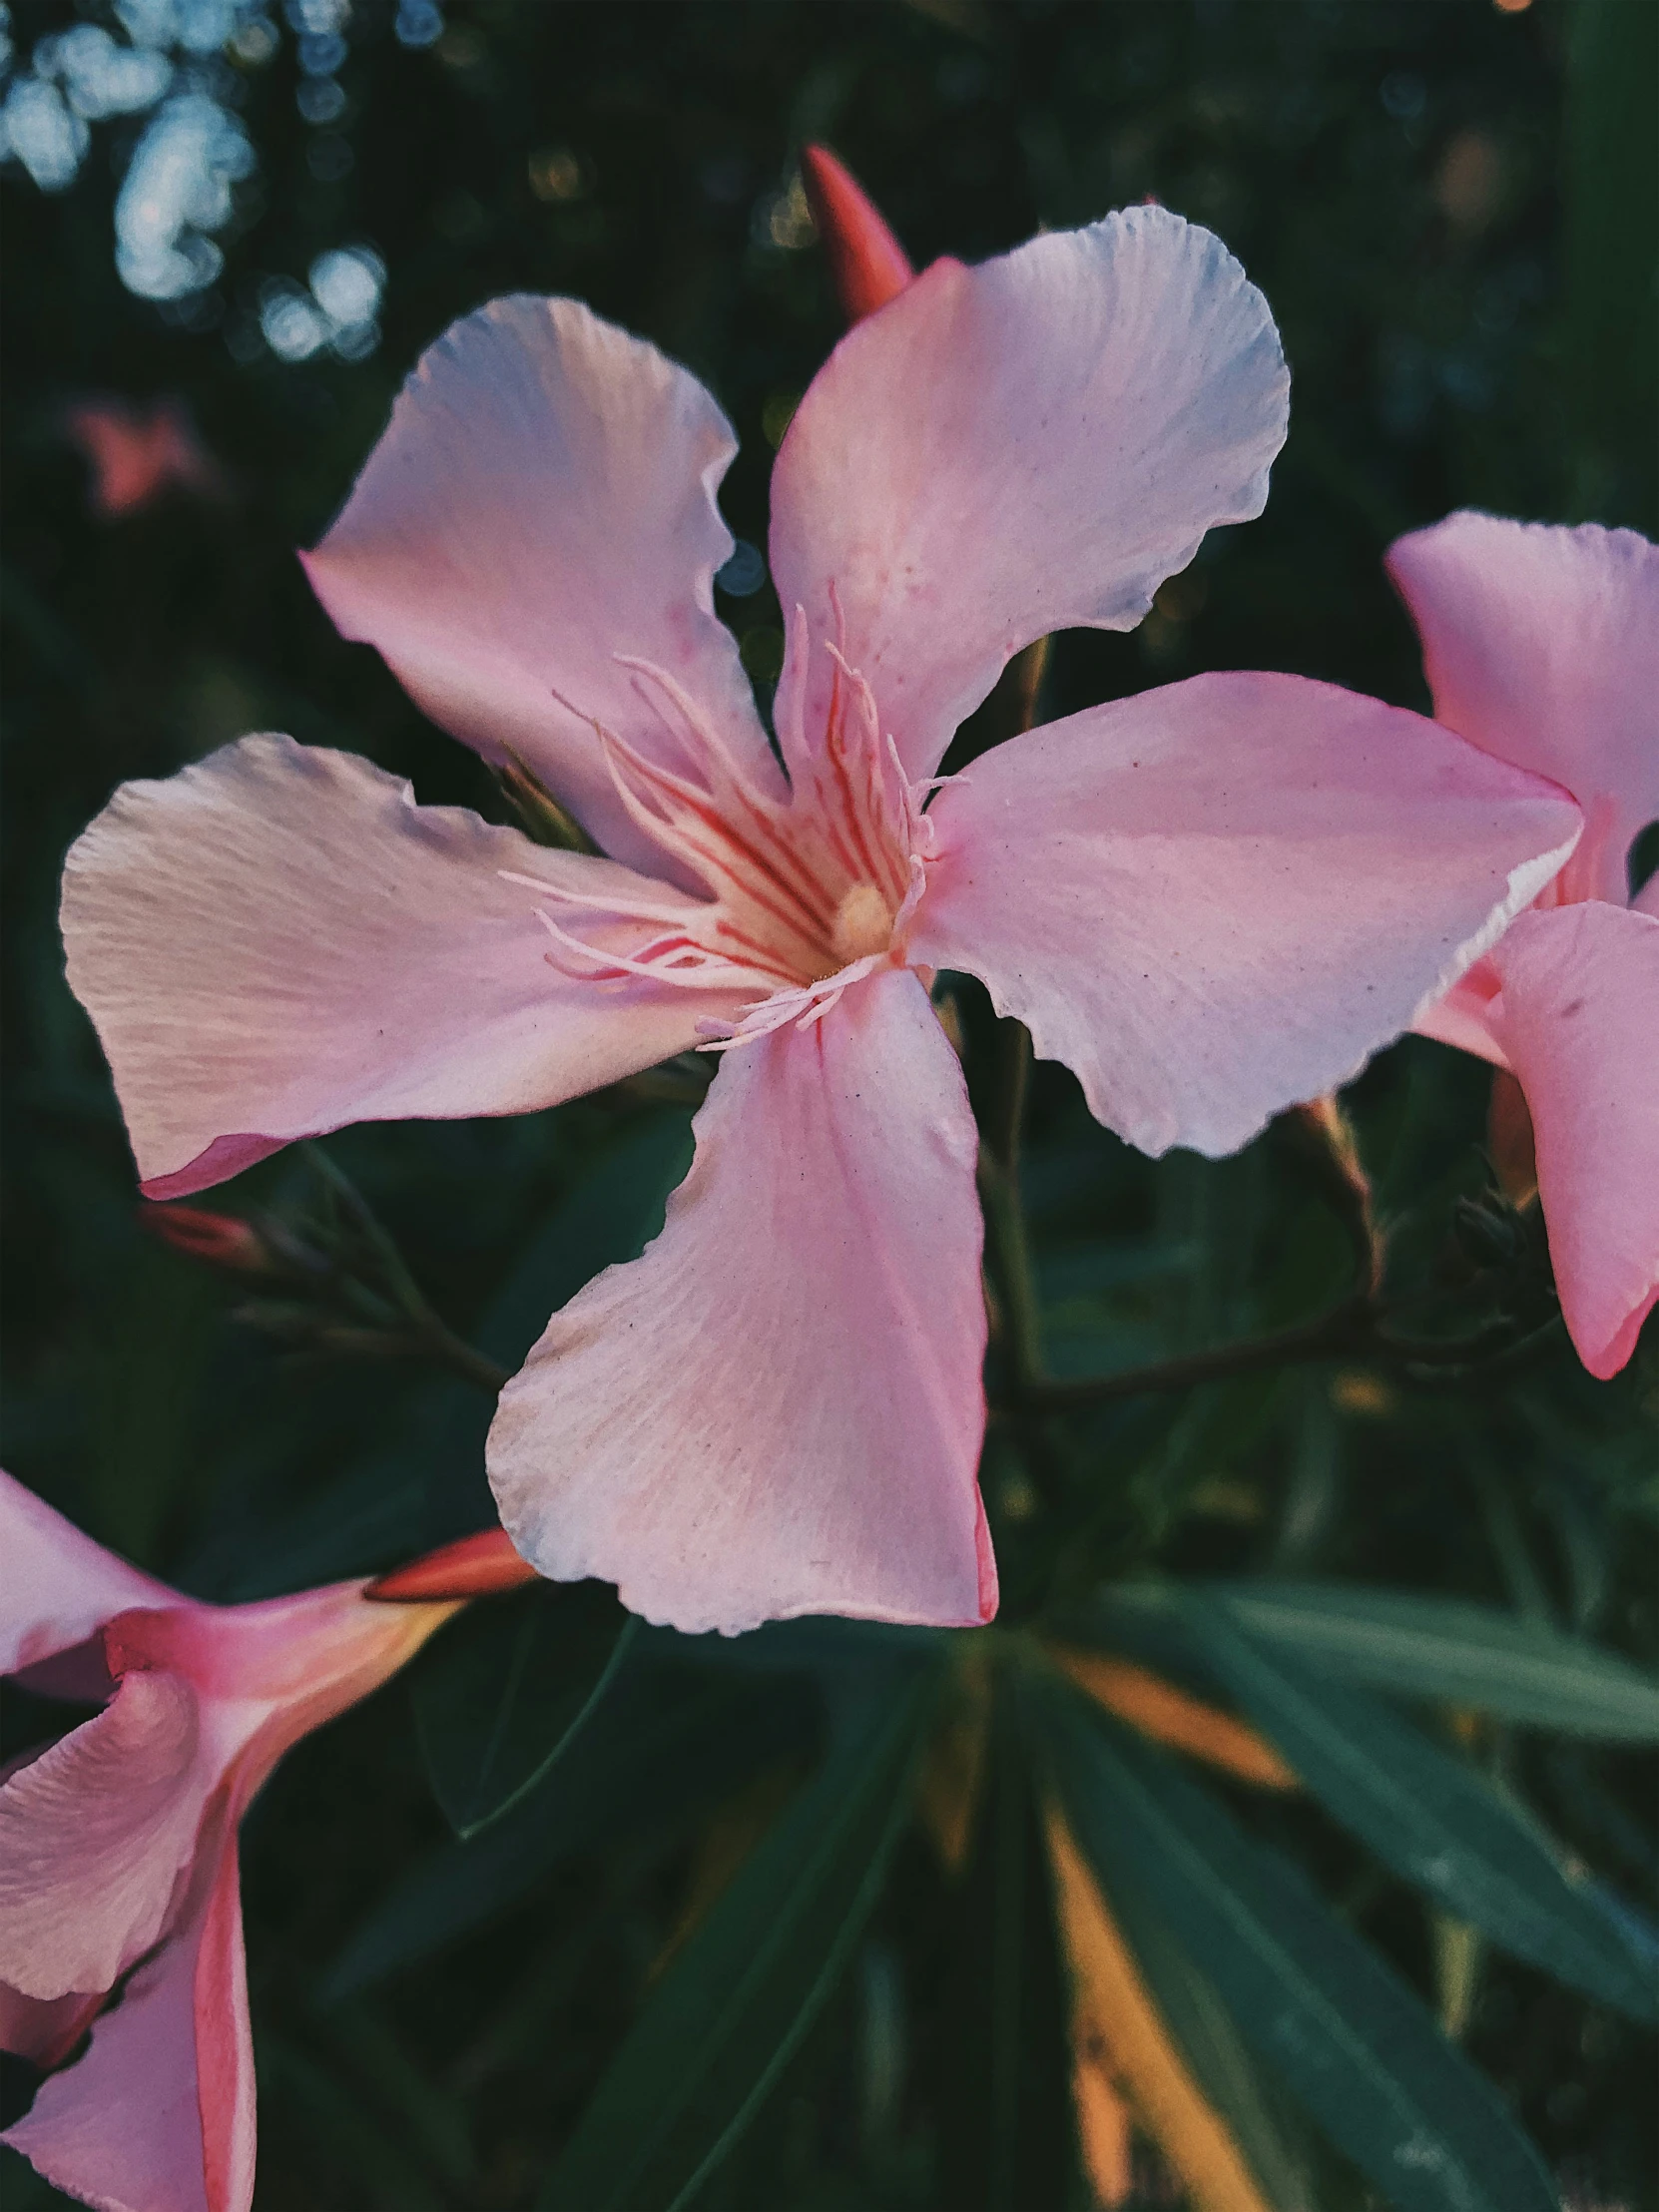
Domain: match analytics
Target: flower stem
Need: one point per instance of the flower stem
(1005, 1214)
(1346, 1330)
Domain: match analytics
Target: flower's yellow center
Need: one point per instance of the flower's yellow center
(862, 923)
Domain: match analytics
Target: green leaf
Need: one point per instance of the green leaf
(1421, 1647)
(672, 1741)
(500, 1695)
(1352, 2042)
(1428, 1816)
(1217, 2054)
(726, 2017)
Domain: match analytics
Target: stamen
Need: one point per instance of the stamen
(812, 882)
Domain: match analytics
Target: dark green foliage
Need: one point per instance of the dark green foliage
(1432, 1819)
(500, 1698)
(674, 1743)
(735, 2002)
(1444, 1649)
(1348, 2038)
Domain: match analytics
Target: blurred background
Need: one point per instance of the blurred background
(230, 228)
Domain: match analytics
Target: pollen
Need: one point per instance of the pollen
(863, 924)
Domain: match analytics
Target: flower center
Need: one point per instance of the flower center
(802, 881)
(863, 924)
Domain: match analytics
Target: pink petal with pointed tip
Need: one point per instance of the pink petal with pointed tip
(1542, 646)
(158, 2116)
(1580, 1022)
(542, 500)
(277, 940)
(1216, 899)
(93, 1834)
(1025, 446)
(777, 1410)
(57, 1587)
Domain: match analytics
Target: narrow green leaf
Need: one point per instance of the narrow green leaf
(430, 2120)
(1349, 2037)
(1428, 1816)
(501, 1694)
(670, 1743)
(1466, 1654)
(725, 2019)
(1420, 1647)
(1217, 2054)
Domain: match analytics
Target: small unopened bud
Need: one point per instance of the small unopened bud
(476, 1566)
(220, 1238)
(867, 262)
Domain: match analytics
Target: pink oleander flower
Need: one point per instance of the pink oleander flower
(1210, 901)
(1541, 644)
(118, 1845)
(137, 453)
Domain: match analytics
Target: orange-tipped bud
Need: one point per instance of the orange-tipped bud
(475, 1567)
(220, 1238)
(866, 261)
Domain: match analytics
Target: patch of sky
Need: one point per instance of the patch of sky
(339, 311)
(178, 187)
(417, 23)
(199, 25)
(744, 572)
(99, 78)
(39, 129)
(177, 190)
(318, 18)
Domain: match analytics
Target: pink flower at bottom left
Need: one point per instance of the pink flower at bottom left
(117, 1843)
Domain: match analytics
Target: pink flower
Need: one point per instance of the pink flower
(137, 453)
(1541, 644)
(118, 1845)
(1209, 900)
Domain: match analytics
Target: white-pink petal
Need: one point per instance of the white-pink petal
(1216, 899)
(542, 500)
(1024, 446)
(158, 2115)
(1541, 644)
(57, 1587)
(1579, 1021)
(779, 1409)
(93, 1834)
(277, 940)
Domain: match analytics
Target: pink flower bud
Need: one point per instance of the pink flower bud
(476, 1566)
(220, 1238)
(868, 265)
